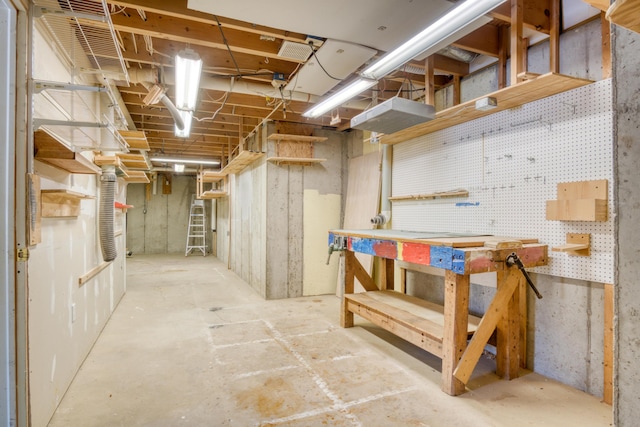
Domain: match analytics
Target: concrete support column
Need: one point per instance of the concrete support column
(626, 102)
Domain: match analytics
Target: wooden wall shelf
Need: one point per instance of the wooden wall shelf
(579, 201)
(441, 195)
(625, 13)
(295, 149)
(50, 150)
(298, 161)
(510, 97)
(218, 185)
(61, 203)
(136, 139)
(241, 161)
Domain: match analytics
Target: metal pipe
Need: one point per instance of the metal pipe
(385, 192)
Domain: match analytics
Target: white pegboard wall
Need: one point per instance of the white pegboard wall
(511, 162)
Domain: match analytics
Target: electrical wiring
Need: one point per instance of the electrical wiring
(323, 69)
(224, 102)
(224, 39)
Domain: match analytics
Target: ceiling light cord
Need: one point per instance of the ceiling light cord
(313, 51)
(224, 39)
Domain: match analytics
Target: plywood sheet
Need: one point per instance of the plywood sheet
(363, 198)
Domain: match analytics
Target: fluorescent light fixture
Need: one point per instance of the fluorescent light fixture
(188, 69)
(183, 161)
(187, 117)
(429, 38)
(453, 21)
(178, 167)
(340, 97)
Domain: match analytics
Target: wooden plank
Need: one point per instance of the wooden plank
(296, 138)
(413, 329)
(495, 243)
(608, 343)
(603, 5)
(440, 195)
(50, 150)
(596, 189)
(363, 197)
(387, 273)
(136, 139)
(509, 97)
(299, 161)
(241, 161)
(454, 339)
(60, 203)
(625, 13)
(517, 17)
(508, 327)
(137, 177)
(606, 46)
(346, 316)
(92, 273)
(362, 275)
(494, 313)
(429, 81)
(554, 37)
(577, 210)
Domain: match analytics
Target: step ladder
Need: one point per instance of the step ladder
(196, 232)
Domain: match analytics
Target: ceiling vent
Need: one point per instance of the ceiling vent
(393, 115)
(294, 51)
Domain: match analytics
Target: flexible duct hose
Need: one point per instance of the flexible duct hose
(107, 198)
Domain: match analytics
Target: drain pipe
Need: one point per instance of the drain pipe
(106, 214)
(385, 205)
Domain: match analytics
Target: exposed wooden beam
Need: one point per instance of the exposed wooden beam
(503, 54)
(178, 9)
(554, 37)
(606, 46)
(450, 66)
(484, 41)
(429, 81)
(535, 14)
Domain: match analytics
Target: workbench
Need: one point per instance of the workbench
(443, 330)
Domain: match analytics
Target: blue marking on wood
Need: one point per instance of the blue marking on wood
(468, 204)
(441, 257)
(457, 265)
(331, 238)
(365, 246)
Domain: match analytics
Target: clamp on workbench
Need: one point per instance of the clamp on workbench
(512, 260)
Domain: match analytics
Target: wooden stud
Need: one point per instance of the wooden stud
(456, 90)
(403, 280)
(554, 37)
(516, 40)
(606, 46)
(608, 343)
(503, 53)
(386, 274)
(454, 339)
(429, 81)
(346, 317)
(508, 327)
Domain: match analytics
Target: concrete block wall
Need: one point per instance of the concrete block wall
(159, 225)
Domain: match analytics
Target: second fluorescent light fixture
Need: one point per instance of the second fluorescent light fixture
(188, 69)
(345, 94)
(455, 20)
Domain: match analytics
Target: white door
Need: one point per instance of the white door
(7, 203)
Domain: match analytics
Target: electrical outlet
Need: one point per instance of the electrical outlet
(73, 312)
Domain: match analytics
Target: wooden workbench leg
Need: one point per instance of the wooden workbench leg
(508, 328)
(524, 320)
(456, 318)
(346, 317)
(386, 274)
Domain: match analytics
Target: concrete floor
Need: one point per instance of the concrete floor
(192, 344)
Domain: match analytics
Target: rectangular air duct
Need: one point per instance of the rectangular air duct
(393, 115)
